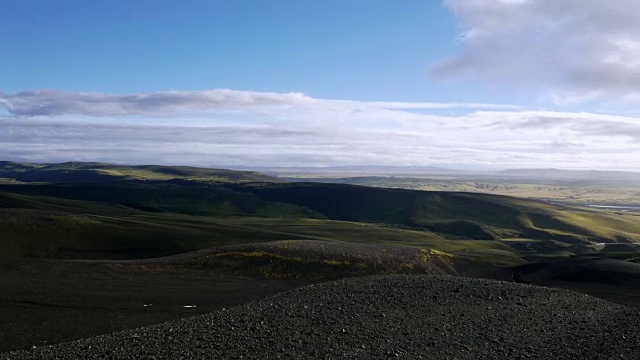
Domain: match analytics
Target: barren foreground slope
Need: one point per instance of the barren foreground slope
(428, 317)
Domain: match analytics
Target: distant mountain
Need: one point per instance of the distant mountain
(561, 174)
(364, 170)
(575, 177)
(593, 176)
(85, 172)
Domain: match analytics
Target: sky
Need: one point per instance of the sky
(481, 84)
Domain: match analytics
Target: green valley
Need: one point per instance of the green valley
(76, 223)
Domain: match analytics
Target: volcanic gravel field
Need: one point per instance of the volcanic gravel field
(379, 317)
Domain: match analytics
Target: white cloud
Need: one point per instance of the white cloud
(300, 130)
(574, 50)
(54, 103)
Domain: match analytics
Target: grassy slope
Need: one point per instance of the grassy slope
(454, 215)
(49, 227)
(574, 191)
(312, 231)
(58, 235)
(363, 233)
(154, 219)
(189, 198)
(100, 172)
(462, 215)
(147, 219)
(322, 260)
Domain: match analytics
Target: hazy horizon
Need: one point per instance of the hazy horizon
(469, 85)
(364, 169)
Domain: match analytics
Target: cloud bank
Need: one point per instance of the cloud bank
(573, 50)
(230, 127)
(53, 103)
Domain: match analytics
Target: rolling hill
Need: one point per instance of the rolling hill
(153, 216)
(89, 172)
(66, 228)
(458, 215)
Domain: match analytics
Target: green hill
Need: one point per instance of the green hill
(87, 248)
(175, 196)
(142, 219)
(86, 172)
(323, 260)
(457, 215)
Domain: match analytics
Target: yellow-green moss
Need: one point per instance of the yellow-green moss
(259, 254)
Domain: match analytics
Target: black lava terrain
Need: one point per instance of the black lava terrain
(611, 279)
(377, 317)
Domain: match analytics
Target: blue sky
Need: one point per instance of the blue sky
(356, 49)
(486, 84)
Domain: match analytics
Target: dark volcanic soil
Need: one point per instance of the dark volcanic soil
(428, 317)
(46, 302)
(603, 277)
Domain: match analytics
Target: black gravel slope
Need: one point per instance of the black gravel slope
(413, 317)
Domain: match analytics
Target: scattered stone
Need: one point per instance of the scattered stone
(463, 323)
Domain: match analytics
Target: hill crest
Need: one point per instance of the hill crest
(83, 172)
